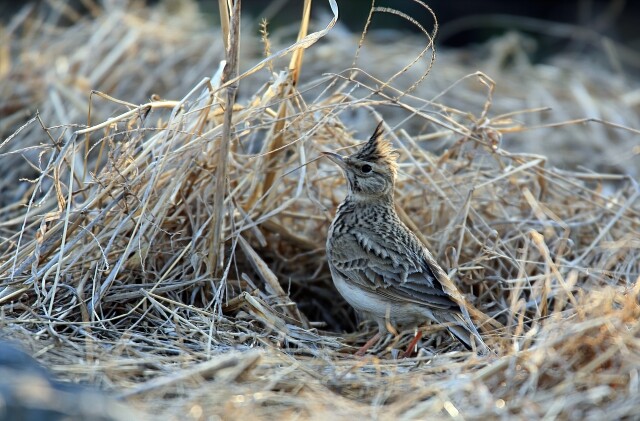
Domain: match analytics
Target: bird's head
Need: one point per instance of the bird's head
(370, 171)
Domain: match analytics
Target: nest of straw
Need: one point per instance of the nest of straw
(173, 252)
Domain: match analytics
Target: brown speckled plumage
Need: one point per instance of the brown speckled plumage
(377, 264)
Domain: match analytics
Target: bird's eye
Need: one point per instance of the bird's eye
(366, 168)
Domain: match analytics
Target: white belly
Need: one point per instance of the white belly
(374, 307)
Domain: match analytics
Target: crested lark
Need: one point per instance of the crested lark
(377, 264)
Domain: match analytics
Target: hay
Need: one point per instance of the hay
(111, 273)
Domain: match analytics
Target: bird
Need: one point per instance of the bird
(377, 263)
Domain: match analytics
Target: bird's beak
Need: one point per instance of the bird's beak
(337, 159)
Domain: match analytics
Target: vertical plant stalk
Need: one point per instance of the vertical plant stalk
(295, 67)
(224, 23)
(230, 72)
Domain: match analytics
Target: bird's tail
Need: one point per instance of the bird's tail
(463, 329)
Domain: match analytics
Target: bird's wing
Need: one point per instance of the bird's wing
(396, 269)
(402, 271)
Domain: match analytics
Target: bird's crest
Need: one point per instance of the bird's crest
(378, 150)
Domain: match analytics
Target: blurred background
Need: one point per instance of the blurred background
(556, 25)
(579, 59)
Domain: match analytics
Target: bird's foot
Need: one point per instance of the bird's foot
(411, 348)
(368, 345)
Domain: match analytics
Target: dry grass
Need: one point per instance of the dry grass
(112, 273)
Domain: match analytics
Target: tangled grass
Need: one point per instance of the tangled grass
(172, 253)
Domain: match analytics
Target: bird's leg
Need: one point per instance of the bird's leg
(412, 345)
(368, 345)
